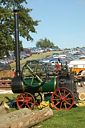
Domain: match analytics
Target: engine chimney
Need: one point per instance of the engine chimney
(17, 49)
(17, 83)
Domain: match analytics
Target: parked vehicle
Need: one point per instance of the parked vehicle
(5, 67)
(77, 65)
(27, 51)
(23, 55)
(4, 61)
(9, 60)
(35, 51)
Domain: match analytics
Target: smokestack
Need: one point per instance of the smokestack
(17, 83)
(17, 49)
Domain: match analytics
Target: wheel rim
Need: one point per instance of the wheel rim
(25, 100)
(62, 99)
(34, 73)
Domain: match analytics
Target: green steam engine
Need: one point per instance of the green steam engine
(35, 80)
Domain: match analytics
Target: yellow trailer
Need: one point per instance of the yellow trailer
(77, 65)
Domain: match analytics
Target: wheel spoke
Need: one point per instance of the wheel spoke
(41, 72)
(32, 80)
(65, 105)
(22, 97)
(68, 94)
(67, 102)
(57, 103)
(29, 68)
(21, 100)
(28, 106)
(57, 95)
(60, 105)
(69, 98)
(56, 99)
(28, 75)
(60, 93)
(36, 66)
(39, 78)
(21, 105)
(30, 102)
(26, 95)
(29, 98)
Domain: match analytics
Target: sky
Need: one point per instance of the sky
(62, 22)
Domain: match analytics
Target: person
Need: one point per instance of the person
(66, 65)
(59, 61)
(57, 66)
(13, 72)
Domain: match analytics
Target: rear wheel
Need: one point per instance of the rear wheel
(62, 98)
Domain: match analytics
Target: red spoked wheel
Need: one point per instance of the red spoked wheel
(62, 99)
(25, 100)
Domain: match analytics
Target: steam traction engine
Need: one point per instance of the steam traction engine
(34, 79)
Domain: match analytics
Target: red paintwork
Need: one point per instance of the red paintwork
(62, 99)
(25, 100)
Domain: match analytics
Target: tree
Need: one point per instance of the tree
(45, 43)
(26, 24)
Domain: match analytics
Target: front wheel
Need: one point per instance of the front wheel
(25, 100)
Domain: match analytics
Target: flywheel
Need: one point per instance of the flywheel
(34, 73)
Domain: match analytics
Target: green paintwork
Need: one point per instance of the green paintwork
(47, 87)
(47, 97)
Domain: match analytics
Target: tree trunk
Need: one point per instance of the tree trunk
(25, 118)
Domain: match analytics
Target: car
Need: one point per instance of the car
(23, 55)
(4, 61)
(9, 60)
(4, 67)
(27, 51)
(35, 51)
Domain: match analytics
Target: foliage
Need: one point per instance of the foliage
(45, 44)
(26, 24)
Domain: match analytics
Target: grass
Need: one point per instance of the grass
(73, 118)
(11, 97)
